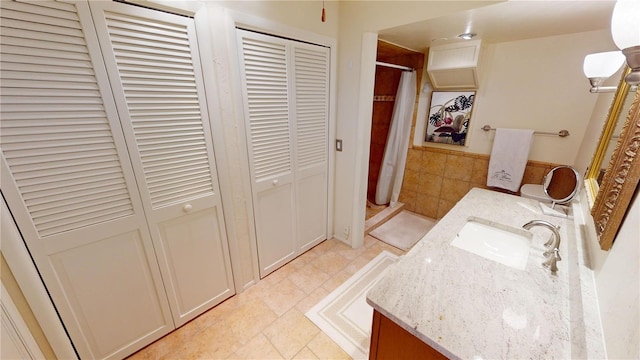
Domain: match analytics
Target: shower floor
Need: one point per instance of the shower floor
(381, 215)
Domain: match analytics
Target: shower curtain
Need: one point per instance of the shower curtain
(395, 152)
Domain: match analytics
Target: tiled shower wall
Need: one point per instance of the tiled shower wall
(386, 87)
(435, 179)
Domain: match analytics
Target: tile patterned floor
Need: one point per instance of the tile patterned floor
(267, 321)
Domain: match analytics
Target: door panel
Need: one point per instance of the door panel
(67, 179)
(154, 68)
(102, 277)
(311, 121)
(193, 255)
(265, 64)
(311, 208)
(276, 243)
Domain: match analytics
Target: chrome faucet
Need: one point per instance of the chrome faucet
(552, 255)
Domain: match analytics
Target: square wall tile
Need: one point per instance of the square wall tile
(427, 206)
(414, 160)
(533, 174)
(430, 185)
(408, 198)
(443, 208)
(433, 163)
(458, 167)
(410, 180)
(453, 190)
(480, 171)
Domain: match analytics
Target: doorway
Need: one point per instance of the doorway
(387, 80)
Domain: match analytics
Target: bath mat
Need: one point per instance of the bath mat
(403, 230)
(344, 314)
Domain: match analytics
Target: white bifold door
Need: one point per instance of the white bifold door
(107, 166)
(286, 99)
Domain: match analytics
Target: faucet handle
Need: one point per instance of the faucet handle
(551, 262)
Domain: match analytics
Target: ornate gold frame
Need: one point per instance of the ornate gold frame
(620, 179)
(591, 177)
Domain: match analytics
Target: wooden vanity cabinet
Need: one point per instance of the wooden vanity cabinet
(390, 341)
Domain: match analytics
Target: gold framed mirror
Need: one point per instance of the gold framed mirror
(614, 172)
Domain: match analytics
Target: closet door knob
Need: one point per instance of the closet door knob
(275, 182)
(187, 208)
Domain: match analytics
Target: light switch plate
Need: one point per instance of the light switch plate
(338, 144)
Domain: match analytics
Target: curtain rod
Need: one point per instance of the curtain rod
(403, 68)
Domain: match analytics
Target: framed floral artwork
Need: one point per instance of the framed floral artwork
(449, 117)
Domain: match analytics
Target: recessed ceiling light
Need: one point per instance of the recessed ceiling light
(467, 36)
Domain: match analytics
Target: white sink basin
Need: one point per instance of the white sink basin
(504, 244)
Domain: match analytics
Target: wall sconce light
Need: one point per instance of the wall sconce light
(599, 67)
(625, 30)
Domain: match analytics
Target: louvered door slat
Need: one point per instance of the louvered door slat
(37, 18)
(44, 117)
(265, 67)
(106, 192)
(312, 99)
(49, 197)
(49, 9)
(160, 92)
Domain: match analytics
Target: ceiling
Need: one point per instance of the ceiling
(508, 21)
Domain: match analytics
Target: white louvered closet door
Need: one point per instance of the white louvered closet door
(311, 123)
(154, 68)
(266, 82)
(286, 110)
(67, 179)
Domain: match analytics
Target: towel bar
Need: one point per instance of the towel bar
(561, 133)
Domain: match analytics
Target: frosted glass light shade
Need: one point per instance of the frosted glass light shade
(602, 65)
(625, 23)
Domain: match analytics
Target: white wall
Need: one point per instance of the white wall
(534, 84)
(618, 288)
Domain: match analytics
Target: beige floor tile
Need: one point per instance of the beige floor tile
(214, 315)
(336, 280)
(323, 247)
(350, 253)
(309, 278)
(258, 348)
(373, 251)
(267, 320)
(370, 241)
(249, 320)
(303, 260)
(283, 296)
(217, 342)
(357, 263)
(324, 348)
(290, 333)
(331, 262)
(167, 344)
(280, 274)
(312, 299)
(305, 354)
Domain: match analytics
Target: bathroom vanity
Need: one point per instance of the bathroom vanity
(442, 300)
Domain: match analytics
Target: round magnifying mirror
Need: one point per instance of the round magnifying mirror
(561, 184)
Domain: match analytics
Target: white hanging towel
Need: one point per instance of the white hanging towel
(509, 157)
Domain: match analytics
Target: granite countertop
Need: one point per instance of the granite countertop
(468, 307)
